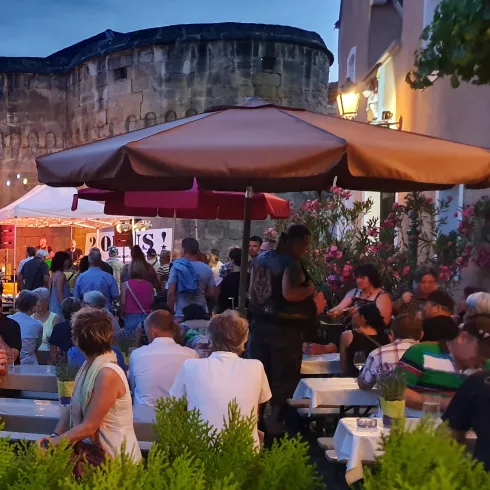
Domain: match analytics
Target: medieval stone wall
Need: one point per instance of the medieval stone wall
(114, 83)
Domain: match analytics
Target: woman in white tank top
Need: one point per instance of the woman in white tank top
(100, 417)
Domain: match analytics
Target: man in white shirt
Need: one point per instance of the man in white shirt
(211, 384)
(153, 368)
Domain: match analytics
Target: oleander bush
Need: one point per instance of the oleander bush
(189, 455)
(425, 458)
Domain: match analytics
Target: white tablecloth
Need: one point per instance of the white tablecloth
(323, 364)
(334, 392)
(356, 446)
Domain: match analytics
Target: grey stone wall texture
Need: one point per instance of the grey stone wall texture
(113, 83)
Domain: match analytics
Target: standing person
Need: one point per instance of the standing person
(368, 291)
(190, 280)
(229, 287)
(210, 384)
(281, 307)
(60, 341)
(59, 289)
(35, 272)
(154, 367)
(217, 263)
(254, 244)
(101, 407)
(164, 270)
(425, 282)
(43, 245)
(136, 295)
(31, 330)
(74, 252)
(48, 318)
(368, 334)
(95, 279)
(225, 269)
(116, 264)
(151, 275)
(437, 314)
(30, 254)
(152, 258)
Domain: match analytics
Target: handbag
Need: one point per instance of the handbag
(136, 299)
(86, 454)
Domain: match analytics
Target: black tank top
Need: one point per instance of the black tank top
(362, 343)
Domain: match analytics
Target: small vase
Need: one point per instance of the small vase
(65, 391)
(392, 410)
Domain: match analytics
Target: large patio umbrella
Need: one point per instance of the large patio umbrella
(263, 147)
(190, 204)
(270, 148)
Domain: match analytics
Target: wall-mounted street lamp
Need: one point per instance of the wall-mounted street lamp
(348, 100)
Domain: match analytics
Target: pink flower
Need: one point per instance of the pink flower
(459, 260)
(395, 206)
(406, 270)
(333, 248)
(396, 275)
(456, 214)
(346, 195)
(449, 199)
(317, 252)
(429, 200)
(373, 232)
(339, 254)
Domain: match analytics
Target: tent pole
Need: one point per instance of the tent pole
(247, 221)
(97, 236)
(15, 262)
(174, 225)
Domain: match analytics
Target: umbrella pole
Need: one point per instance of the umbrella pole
(174, 225)
(247, 221)
(14, 268)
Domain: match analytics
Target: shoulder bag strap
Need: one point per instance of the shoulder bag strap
(136, 299)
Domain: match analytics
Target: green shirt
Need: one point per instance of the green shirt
(429, 368)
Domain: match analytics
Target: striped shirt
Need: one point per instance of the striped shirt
(429, 368)
(387, 354)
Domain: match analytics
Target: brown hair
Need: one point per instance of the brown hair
(138, 269)
(406, 327)
(228, 332)
(92, 331)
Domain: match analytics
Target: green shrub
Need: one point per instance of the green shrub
(189, 455)
(425, 458)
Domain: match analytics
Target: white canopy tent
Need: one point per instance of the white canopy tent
(46, 206)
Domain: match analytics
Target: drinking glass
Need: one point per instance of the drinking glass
(359, 360)
(432, 406)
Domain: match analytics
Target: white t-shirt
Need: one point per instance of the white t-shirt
(154, 367)
(211, 384)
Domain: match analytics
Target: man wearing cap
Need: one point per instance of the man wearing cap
(116, 264)
(152, 259)
(469, 407)
(440, 368)
(163, 270)
(437, 315)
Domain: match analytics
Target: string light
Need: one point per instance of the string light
(19, 176)
(8, 183)
(25, 180)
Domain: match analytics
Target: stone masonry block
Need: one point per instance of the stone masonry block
(265, 92)
(119, 61)
(140, 84)
(267, 79)
(118, 88)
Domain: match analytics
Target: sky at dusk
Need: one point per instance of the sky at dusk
(41, 27)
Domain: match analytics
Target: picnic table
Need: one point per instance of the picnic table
(325, 364)
(41, 416)
(30, 378)
(334, 392)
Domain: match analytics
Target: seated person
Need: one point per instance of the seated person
(477, 303)
(469, 410)
(154, 367)
(101, 412)
(95, 299)
(437, 315)
(10, 337)
(424, 283)
(60, 341)
(440, 368)
(4, 365)
(31, 330)
(211, 384)
(195, 325)
(76, 357)
(368, 334)
(406, 330)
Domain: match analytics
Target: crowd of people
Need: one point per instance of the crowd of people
(188, 340)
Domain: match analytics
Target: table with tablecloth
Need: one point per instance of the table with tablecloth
(30, 378)
(325, 364)
(334, 392)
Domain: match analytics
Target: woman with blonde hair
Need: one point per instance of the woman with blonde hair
(100, 419)
(210, 384)
(48, 318)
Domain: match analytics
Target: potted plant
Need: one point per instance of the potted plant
(391, 389)
(65, 379)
